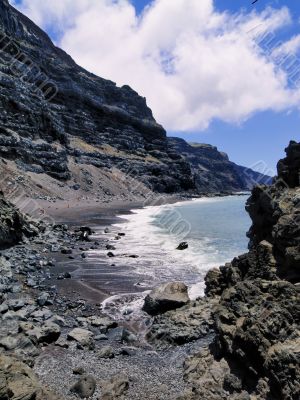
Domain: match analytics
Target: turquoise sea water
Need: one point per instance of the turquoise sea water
(214, 228)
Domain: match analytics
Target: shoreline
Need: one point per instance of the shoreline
(138, 348)
(48, 317)
(68, 211)
(100, 217)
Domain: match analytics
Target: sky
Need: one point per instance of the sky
(224, 72)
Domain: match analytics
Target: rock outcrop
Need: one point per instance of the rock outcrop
(256, 353)
(213, 171)
(187, 324)
(84, 387)
(13, 226)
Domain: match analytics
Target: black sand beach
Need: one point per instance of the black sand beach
(95, 276)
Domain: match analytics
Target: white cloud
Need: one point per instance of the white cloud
(291, 47)
(192, 63)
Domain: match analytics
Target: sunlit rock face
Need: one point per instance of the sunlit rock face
(54, 112)
(213, 171)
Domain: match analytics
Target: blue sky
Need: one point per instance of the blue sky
(264, 136)
(253, 132)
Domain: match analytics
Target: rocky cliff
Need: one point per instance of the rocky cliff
(256, 353)
(213, 171)
(251, 307)
(61, 126)
(55, 114)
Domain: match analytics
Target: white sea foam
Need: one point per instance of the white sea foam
(150, 235)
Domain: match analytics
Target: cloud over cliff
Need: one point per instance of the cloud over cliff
(192, 62)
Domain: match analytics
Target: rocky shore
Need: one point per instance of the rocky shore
(241, 341)
(91, 144)
(56, 346)
(256, 351)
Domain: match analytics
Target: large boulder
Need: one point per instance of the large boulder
(187, 324)
(47, 333)
(166, 297)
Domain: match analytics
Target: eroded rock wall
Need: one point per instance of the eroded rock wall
(53, 112)
(257, 319)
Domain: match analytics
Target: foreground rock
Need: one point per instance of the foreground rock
(18, 382)
(47, 333)
(106, 352)
(81, 336)
(187, 324)
(211, 379)
(166, 297)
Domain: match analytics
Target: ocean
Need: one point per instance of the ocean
(214, 229)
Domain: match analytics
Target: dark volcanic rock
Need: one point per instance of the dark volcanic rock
(53, 111)
(289, 167)
(115, 387)
(12, 225)
(17, 381)
(257, 324)
(182, 246)
(256, 351)
(184, 325)
(212, 169)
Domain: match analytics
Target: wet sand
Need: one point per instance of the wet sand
(79, 211)
(96, 276)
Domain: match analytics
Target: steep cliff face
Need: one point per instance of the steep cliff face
(53, 113)
(256, 351)
(213, 171)
(60, 120)
(275, 212)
